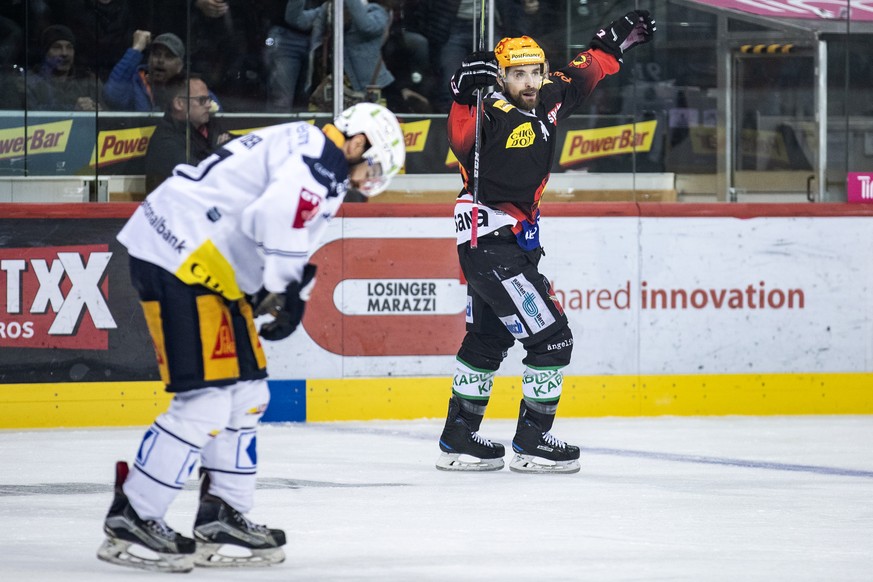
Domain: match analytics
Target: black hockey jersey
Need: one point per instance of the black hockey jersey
(518, 147)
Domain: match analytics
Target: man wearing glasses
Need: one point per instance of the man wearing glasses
(187, 134)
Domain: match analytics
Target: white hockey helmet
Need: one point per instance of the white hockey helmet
(387, 152)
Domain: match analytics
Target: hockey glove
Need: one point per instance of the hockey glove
(620, 35)
(478, 71)
(286, 308)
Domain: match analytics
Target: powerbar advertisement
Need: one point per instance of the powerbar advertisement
(117, 145)
(649, 295)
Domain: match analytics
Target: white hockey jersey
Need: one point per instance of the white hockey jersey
(248, 216)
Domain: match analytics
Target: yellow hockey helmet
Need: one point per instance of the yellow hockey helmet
(522, 50)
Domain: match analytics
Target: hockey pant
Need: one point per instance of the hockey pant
(200, 338)
(215, 426)
(508, 299)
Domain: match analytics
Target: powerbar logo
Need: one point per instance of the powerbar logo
(55, 297)
(587, 144)
(121, 145)
(45, 138)
(415, 135)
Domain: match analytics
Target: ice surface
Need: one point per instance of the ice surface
(716, 498)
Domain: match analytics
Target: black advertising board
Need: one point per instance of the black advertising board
(67, 310)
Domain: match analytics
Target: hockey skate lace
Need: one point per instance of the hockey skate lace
(250, 525)
(481, 440)
(160, 528)
(553, 441)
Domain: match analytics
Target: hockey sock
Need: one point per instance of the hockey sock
(542, 386)
(542, 391)
(472, 389)
(472, 384)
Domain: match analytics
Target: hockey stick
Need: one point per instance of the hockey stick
(474, 213)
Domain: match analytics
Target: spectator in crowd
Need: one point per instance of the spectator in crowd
(57, 84)
(537, 18)
(452, 29)
(102, 29)
(365, 30)
(11, 69)
(186, 135)
(11, 41)
(29, 18)
(134, 86)
(286, 58)
(227, 44)
(406, 55)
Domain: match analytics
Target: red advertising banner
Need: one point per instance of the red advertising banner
(68, 312)
(55, 297)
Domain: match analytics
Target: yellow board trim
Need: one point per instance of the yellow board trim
(81, 404)
(595, 396)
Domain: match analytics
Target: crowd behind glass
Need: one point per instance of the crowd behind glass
(269, 56)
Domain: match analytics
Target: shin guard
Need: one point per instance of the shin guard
(231, 458)
(170, 449)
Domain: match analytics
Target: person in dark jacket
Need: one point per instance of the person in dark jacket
(134, 86)
(102, 29)
(58, 83)
(187, 134)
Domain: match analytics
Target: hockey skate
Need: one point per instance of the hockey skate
(537, 450)
(137, 543)
(463, 448)
(226, 538)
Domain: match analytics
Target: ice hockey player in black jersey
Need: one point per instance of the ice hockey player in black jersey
(508, 299)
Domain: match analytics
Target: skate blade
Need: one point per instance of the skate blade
(533, 464)
(458, 462)
(232, 556)
(128, 554)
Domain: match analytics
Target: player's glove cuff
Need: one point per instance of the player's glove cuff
(478, 71)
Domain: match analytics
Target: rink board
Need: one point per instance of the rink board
(138, 403)
(675, 310)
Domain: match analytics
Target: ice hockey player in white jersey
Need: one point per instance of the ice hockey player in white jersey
(215, 246)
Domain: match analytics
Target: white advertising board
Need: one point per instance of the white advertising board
(650, 295)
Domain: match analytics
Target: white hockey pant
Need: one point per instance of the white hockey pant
(218, 427)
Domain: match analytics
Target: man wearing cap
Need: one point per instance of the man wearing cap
(133, 86)
(508, 299)
(57, 84)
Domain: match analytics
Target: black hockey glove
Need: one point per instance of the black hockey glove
(286, 308)
(620, 35)
(478, 71)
